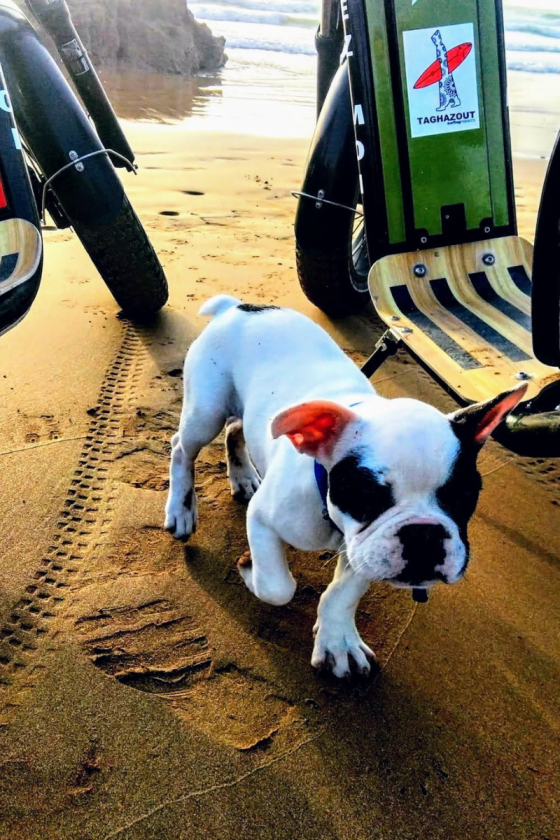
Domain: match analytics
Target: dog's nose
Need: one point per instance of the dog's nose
(423, 550)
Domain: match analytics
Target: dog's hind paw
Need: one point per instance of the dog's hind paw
(244, 484)
(336, 646)
(180, 519)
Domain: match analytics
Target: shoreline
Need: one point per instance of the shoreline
(279, 105)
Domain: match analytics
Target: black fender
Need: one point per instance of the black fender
(328, 49)
(332, 168)
(545, 295)
(54, 124)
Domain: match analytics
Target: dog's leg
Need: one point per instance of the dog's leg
(336, 636)
(244, 480)
(266, 572)
(180, 510)
(203, 418)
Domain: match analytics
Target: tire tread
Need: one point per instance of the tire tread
(127, 262)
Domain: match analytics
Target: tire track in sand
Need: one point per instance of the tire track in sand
(82, 523)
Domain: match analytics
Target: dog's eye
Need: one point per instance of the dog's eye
(458, 497)
(356, 491)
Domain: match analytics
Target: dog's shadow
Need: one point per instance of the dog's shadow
(382, 735)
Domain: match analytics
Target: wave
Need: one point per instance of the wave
(517, 41)
(532, 66)
(281, 6)
(286, 27)
(216, 13)
(531, 22)
(552, 32)
(268, 46)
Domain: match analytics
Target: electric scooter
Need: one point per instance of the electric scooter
(408, 201)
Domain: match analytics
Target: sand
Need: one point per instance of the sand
(144, 692)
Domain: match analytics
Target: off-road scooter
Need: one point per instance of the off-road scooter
(408, 199)
(58, 154)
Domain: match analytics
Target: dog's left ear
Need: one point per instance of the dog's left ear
(476, 423)
(313, 427)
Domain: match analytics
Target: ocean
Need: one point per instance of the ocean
(270, 45)
(287, 28)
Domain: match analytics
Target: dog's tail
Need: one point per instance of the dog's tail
(218, 304)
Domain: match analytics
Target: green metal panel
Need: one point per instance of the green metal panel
(464, 163)
(452, 168)
(377, 29)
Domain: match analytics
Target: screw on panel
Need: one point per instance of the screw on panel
(74, 156)
(395, 317)
(524, 375)
(423, 239)
(420, 270)
(320, 195)
(488, 259)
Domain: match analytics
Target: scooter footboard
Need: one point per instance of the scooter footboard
(21, 246)
(464, 312)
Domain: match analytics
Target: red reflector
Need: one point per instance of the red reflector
(3, 199)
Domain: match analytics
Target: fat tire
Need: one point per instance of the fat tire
(324, 278)
(127, 262)
(329, 278)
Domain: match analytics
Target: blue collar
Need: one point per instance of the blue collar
(322, 479)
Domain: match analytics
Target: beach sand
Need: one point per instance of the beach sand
(145, 692)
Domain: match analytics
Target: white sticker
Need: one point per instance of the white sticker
(441, 79)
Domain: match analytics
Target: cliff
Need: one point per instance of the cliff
(152, 35)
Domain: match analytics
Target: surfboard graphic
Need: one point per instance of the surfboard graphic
(455, 57)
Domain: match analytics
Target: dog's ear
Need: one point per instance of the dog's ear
(313, 427)
(476, 423)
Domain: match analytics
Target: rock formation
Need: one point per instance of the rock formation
(161, 36)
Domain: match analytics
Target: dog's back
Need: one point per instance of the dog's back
(276, 353)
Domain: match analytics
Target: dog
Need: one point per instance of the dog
(398, 477)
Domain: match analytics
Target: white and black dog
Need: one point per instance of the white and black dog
(400, 478)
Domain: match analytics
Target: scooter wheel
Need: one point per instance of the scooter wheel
(127, 262)
(335, 278)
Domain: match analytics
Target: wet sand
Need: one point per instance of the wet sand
(144, 692)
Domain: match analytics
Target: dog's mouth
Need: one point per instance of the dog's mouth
(412, 583)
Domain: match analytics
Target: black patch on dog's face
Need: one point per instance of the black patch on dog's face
(255, 307)
(458, 497)
(356, 491)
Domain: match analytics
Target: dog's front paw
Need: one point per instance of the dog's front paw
(181, 516)
(337, 641)
(276, 590)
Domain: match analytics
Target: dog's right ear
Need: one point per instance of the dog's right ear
(313, 427)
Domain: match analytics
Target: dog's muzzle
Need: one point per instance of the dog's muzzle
(412, 552)
(423, 550)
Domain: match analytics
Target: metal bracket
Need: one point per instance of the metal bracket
(78, 163)
(387, 345)
(320, 199)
